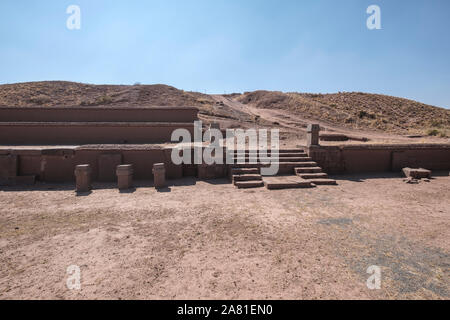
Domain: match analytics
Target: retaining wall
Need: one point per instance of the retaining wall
(98, 114)
(380, 158)
(49, 133)
(58, 165)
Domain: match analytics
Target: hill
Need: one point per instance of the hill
(357, 110)
(352, 110)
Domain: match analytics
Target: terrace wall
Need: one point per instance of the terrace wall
(58, 165)
(61, 133)
(98, 114)
(380, 158)
(92, 125)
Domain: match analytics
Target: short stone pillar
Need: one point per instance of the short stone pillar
(83, 178)
(124, 176)
(312, 134)
(159, 175)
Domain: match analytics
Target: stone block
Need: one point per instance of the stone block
(124, 176)
(286, 182)
(83, 178)
(159, 175)
(107, 164)
(419, 173)
(312, 134)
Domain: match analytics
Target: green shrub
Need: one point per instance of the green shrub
(363, 114)
(103, 100)
(40, 99)
(433, 132)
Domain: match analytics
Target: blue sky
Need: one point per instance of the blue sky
(218, 46)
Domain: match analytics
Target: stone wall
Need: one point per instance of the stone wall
(46, 133)
(93, 125)
(380, 158)
(98, 114)
(58, 165)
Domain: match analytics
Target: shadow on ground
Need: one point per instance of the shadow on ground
(361, 177)
(41, 186)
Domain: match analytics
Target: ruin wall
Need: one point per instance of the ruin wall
(380, 158)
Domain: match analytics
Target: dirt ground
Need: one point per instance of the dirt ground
(208, 240)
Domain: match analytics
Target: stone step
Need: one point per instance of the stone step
(286, 182)
(283, 167)
(247, 177)
(279, 151)
(248, 184)
(309, 164)
(319, 175)
(295, 154)
(320, 182)
(290, 164)
(236, 171)
(279, 160)
(308, 170)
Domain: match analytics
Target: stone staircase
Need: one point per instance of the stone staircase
(314, 175)
(246, 177)
(296, 170)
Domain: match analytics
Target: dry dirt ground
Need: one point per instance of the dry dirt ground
(208, 240)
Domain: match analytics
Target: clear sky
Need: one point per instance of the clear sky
(218, 46)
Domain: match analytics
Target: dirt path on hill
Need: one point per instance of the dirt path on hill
(295, 123)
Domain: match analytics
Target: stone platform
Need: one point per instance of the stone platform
(93, 125)
(286, 182)
(296, 170)
(57, 163)
(89, 132)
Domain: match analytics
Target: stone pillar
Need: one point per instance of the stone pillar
(312, 135)
(159, 175)
(83, 178)
(124, 176)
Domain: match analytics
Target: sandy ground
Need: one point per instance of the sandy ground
(208, 240)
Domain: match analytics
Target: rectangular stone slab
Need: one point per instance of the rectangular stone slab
(285, 182)
(107, 165)
(248, 184)
(417, 173)
(323, 182)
